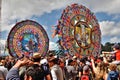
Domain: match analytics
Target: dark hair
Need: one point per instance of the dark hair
(35, 72)
(70, 61)
(53, 59)
(36, 59)
(82, 60)
(51, 54)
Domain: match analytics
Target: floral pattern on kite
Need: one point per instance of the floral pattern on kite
(78, 31)
(27, 37)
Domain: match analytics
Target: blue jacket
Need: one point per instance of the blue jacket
(113, 75)
(13, 74)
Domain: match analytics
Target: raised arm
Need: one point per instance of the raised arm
(93, 65)
(13, 74)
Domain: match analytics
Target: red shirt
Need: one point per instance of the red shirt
(118, 55)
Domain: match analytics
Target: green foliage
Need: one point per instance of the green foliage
(107, 46)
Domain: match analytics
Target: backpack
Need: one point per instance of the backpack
(85, 77)
(113, 78)
(68, 75)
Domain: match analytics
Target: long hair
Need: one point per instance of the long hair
(102, 70)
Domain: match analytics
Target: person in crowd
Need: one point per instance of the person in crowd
(32, 73)
(116, 51)
(61, 63)
(51, 54)
(45, 66)
(8, 64)
(113, 73)
(2, 77)
(86, 73)
(70, 72)
(76, 66)
(66, 60)
(36, 58)
(56, 70)
(3, 69)
(43, 63)
(23, 68)
(100, 70)
(82, 63)
(74, 58)
(35, 73)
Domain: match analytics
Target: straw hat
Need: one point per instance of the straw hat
(36, 55)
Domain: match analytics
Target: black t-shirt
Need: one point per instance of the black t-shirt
(46, 69)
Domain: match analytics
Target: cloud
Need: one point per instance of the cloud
(2, 45)
(3, 42)
(22, 9)
(17, 10)
(111, 30)
(108, 6)
(7, 27)
(115, 39)
(3, 50)
(115, 17)
(53, 46)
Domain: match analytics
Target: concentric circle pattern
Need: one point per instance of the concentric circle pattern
(78, 31)
(27, 37)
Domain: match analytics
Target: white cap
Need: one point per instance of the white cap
(43, 61)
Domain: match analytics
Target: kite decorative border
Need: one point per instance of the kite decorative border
(26, 38)
(78, 31)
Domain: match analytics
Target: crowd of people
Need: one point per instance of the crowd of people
(54, 67)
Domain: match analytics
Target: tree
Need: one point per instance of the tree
(107, 46)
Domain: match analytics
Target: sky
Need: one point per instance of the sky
(47, 13)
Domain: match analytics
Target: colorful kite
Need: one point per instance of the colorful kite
(78, 31)
(27, 37)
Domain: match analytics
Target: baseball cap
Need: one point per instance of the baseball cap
(44, 61)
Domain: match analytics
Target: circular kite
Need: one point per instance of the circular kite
(78, 31)
(27, 37)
